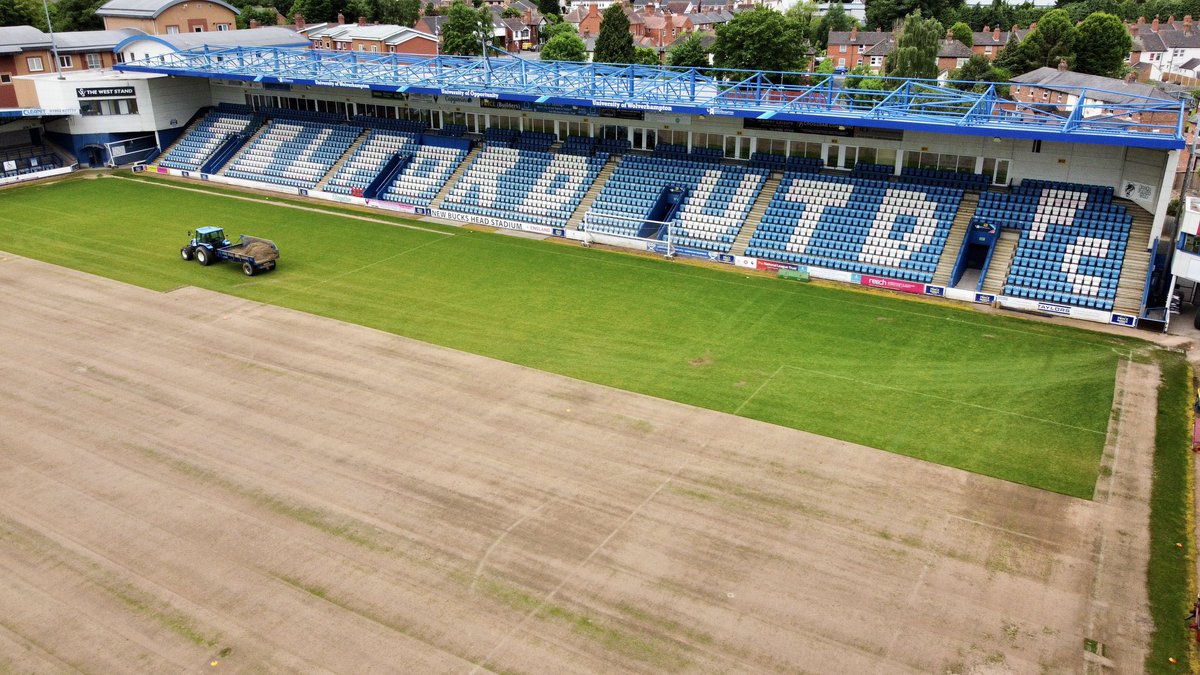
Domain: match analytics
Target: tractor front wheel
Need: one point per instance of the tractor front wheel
(186, 253)
(203, 256)
(247, 269)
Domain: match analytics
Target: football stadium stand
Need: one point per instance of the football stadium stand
(27, 159)
(525, 185)
(857, 224)
(717, 199)
(367, 161)
(430, 168)
(198, 145)
(293, 152)
(1072, 241)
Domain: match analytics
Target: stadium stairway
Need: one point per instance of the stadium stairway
(756, 213)
(958, 233)
(1131, 285)
(1001, 262)
(458, 173)
(245, 147)
(589, 197)
(186, 132)
(337, 166)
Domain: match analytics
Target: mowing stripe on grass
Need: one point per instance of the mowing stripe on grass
(339, 214)
(947, 399)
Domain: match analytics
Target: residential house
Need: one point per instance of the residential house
(585, 18)
(990, 41)
(856, 9)
(167, 17)
(373, 38)
(848, 49)
(1062, 89)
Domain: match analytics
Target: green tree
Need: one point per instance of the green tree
(314, 11)
(865, 87)
(646, 56)
(825, 67)
(557, 26)
(689, 52)
(465, 29)
(401, 12)
(1101, 47)
(23, 13)
(917, 43)
(614, 43)
(759, 39)
(565, 46)
(353, 9)
(549, 7)
(1051, 42)
(963, 33)
(265, 16)
(835, 19)
(885, 13)
(978, 69)
(76, 15)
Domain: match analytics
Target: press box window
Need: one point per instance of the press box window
(112, 106)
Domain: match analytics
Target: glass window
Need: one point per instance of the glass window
(93, 62)
(885, 156)
(5, 79)
(35, 64)
(65, 61)
(172, 30)
(198, 29)
(1191, 244)
(222, 26)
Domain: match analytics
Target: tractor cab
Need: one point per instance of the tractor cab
(211, 236)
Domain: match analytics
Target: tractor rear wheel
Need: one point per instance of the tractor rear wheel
(203, 256)
(186, 253)
(247, 269)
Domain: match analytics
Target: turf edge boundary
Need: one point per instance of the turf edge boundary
(1171, 583)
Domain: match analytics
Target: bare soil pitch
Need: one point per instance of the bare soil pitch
(190, 477)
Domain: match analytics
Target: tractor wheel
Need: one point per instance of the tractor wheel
(1196, 321)
(247, 269)
(203, 256)
(186, 252)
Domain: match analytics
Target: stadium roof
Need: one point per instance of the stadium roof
(916, 105)
(147, 9)
(256, 38)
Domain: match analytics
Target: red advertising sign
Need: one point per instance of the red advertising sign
(893, 284)
(772, 266)
(356, 192)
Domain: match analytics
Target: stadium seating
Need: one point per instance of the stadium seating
(781, 163)
(857, 224)
(613, 146)
(535, 140)
(415, 127)
(579, 145)
(194, 149)
(875, 171)
(430, 168)
(364, 165)
(502, 138)
(1072, 242)
(718, 200)
(453, 130)
(955, 179)
(26, 159)
(293, 153)
(524, 185)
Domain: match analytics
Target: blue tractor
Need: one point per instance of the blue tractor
(209, 244)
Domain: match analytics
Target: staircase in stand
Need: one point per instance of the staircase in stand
(337, 166)
(589, 197)
(1132, 284)
(754, 217)
(1002, 257)
(462, 168)
(258, 133)
(958, 234)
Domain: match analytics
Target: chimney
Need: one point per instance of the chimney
(1154, 25)
(1133, 30)
(854, 33)
(280, 20)
(1171, 21)
(996, 34)
(299, 21)
(1141, 20)
(1032, 26)
(362, 20)
(1062, 66)
(341, 19)
(949, 35)
(1131, 77)
(254, 23)
(987, 28)
(1187, 25)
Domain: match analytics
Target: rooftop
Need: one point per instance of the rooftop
(147, 9)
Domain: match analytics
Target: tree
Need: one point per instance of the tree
(825, 67)
(401, 12)
(865, 86)
(759, 39)
(835, 19)
(71, 15)
(614, 43)
(565, 46)
(1051, 42)
(549, 8)
(1102, 45)
(978, 69)
(265, 16)
(646, 56)
(917, 42)
(885, 13)
(314, 11)
(353, 9)
(23, 13)
(963, 33)
(558, 26)
(465, 29)
(689, 52)
(511, 12)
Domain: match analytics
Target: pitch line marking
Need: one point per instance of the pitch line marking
(738, 410)
(286, 205)
(550, 596)
(942, 398)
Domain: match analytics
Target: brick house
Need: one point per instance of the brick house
(167, 17)
(25, 50)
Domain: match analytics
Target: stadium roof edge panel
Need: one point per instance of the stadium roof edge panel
(916, 105)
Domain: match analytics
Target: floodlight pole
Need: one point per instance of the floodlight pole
(53, 43)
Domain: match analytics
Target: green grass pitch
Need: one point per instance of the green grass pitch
(1001, 396)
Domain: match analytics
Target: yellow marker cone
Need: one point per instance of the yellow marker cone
(1172, 659)
(213, 663)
